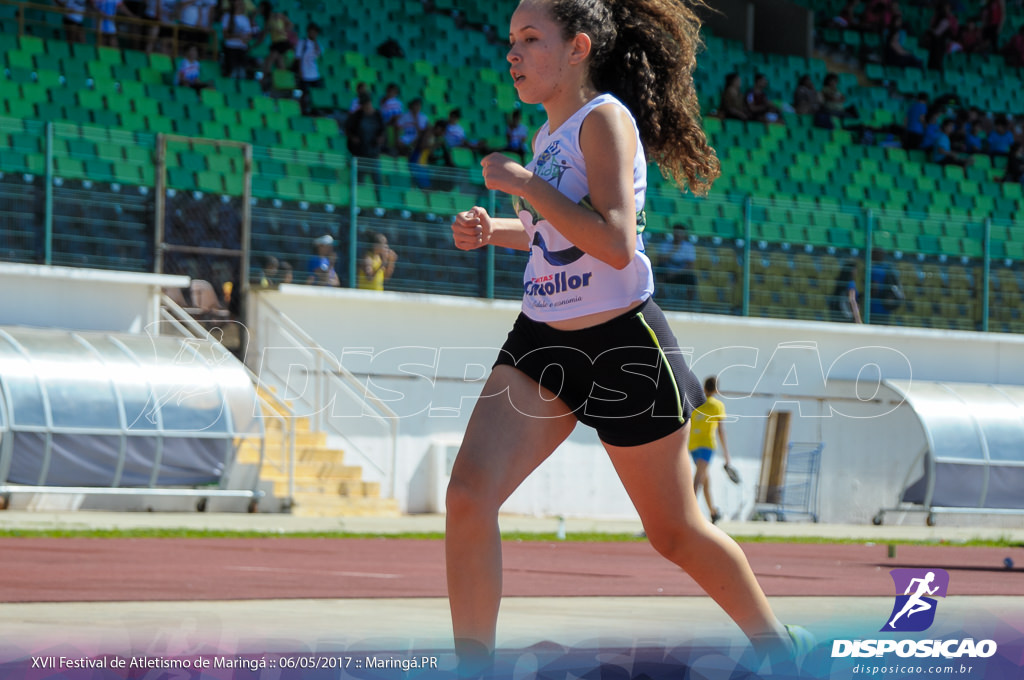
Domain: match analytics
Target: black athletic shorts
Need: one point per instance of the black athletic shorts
(626, 377)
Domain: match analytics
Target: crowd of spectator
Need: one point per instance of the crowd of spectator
(945, 128)
(954, 26)
(828, 106)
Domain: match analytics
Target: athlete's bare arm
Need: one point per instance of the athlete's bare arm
(475, 228)
(609, 146)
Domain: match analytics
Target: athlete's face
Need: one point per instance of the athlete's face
(538, 55)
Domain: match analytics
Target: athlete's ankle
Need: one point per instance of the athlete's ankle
(474, 658)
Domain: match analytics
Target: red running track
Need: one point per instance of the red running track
(97, 569)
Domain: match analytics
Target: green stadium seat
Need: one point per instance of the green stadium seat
(289, 188)
(224, 165)
(49, 111)
(158, 123)
(17, 59)
(110, 152)
(294, 140)
(69, 168)
(181, 178)
(283, 80)
(210, 182)
(265, 137)
(323, 99)
(263, 187)
(66, 98)
(213, 129)
(270, 167)
(31, 93)
(187, 127)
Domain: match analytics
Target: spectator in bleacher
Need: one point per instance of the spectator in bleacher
(993, 18)
(431, 151)
(1014, 50)
(942, 151)
(969, 134)
(877, 16)
(307, 59)
(74, 19)
(844, 300)
(391, 109)
(759, 107)
(377, 265)
(321, 265)
(886, 290)
(108, 26)
(274, 273)
(847, 17)
(227, 6)
(941, 31)
(365, 134)
(970, 39)
(517, 136)
(189, 70)
(411, 125)
(238, 33)
(361, 89)
(732, 104)
(455, 135)
(1000, 139)
(833, 105)
(268, 276)
(915, 122)
(895, 52)
(278, 29)
(681, 262)
(932, 128)
(806, 100)
(196, 17)
(1015, 164)
(138, 8)
(391, 106)
(161, 35)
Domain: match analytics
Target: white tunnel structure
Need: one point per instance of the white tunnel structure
(973, 458)
(102, 413)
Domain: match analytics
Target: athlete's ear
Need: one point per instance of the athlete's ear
(581, 46)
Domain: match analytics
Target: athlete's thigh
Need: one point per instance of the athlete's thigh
(516, 424)
(658, 478)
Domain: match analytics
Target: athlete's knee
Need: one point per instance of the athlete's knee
(674, 542)
(467, 497)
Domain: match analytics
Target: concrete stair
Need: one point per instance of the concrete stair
(324, 485)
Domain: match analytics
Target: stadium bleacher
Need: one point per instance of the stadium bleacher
(794, 200)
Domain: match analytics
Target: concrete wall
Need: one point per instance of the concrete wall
(429, 355)
(80, 299)
(732, 20)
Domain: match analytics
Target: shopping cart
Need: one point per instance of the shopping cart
(798, 493)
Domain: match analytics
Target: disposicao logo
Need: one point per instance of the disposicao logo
(914, 611)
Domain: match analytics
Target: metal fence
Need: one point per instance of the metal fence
(756, 256)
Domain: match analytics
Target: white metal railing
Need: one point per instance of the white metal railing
(331, 381)
(268, 406)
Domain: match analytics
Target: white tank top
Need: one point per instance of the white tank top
(561, 281)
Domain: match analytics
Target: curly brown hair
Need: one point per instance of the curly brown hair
(644, 52)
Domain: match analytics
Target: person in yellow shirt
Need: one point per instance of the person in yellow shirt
(706, 421)
(378, 264)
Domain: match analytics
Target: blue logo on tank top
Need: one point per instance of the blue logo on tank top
(557, 258)
(549, 166)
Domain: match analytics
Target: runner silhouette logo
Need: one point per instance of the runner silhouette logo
(916, 590)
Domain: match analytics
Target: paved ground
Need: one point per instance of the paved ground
(170, 597)
(168, 569)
